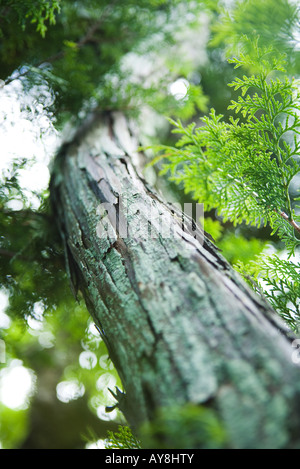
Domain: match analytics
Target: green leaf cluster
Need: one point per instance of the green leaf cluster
(81, 57)
(245, 167)
(275, 23)
(71, 68)
(32, 262)
(282, 288)
(123, 439)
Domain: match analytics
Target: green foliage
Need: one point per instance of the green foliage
(278, 279)
(123, 439)
(282, 288)
(275, 23)
(244, 168)
(14, 424)
(78, 52)
(70, 58)
(38, 12)
(233, 244)
(32, 262)
(281, 279)
(183, 427)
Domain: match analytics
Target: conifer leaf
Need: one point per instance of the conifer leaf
(244, 167)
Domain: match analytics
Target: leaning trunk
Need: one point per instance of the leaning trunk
(180, 325)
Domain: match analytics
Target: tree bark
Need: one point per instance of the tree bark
(180, 325)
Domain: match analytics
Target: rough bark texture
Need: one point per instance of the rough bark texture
(179, 323)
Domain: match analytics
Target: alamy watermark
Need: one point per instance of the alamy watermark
(125, 219)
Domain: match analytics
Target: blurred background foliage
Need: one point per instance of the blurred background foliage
(61, 60)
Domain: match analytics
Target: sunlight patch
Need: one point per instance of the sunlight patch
(17, 385)
(87, 360)
(67, 391)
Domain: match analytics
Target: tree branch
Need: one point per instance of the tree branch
(290, 221)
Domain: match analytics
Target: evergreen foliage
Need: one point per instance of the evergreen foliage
(244, 168)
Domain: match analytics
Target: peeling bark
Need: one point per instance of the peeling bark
(179, 324)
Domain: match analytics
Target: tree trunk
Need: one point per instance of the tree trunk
(179, 324)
